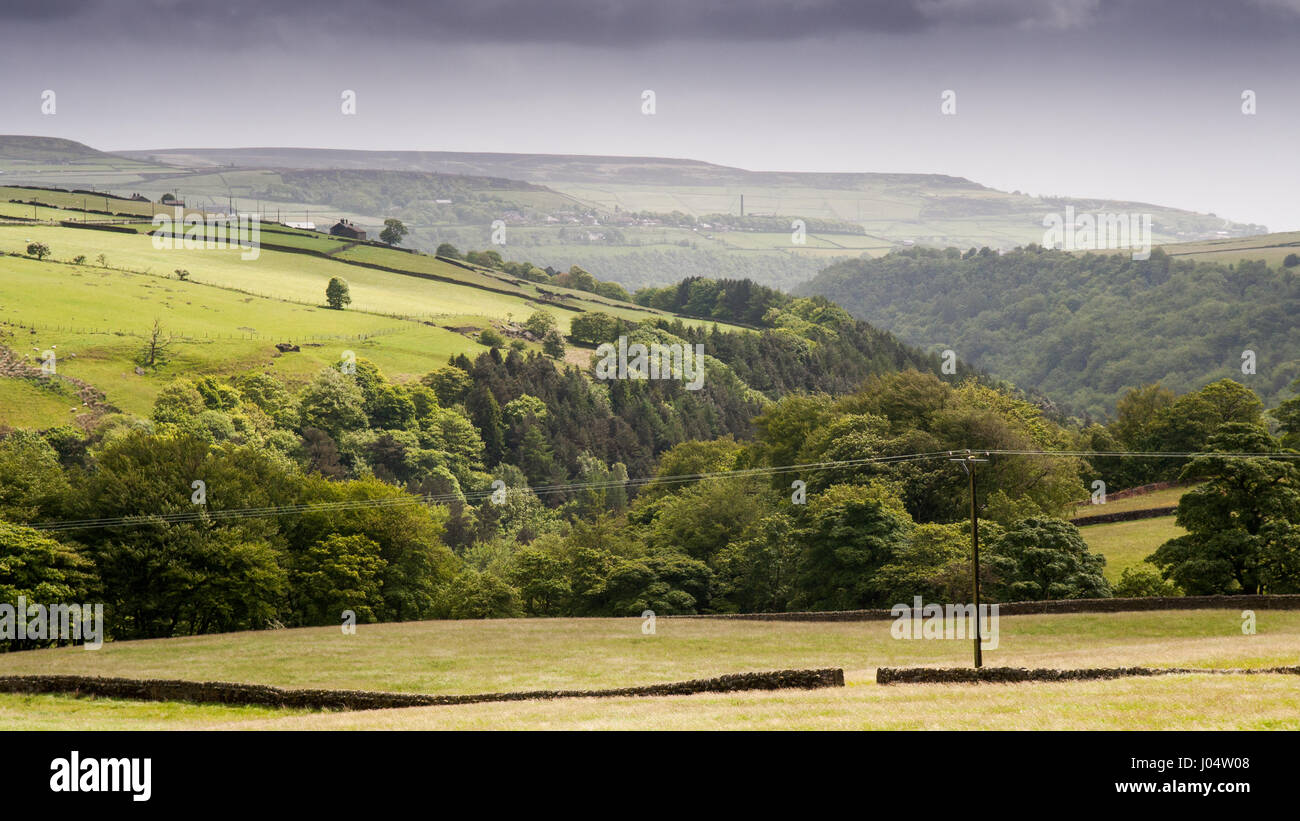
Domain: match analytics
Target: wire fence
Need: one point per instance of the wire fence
(75, 330)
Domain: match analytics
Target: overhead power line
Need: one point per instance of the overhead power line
(202, 513)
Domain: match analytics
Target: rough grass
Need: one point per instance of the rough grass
(521, 654)
(525, 654)
(1180, 702)
(51, 712)
(1185, 702)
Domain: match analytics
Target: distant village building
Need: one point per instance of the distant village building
(306, 226)
(343, 228)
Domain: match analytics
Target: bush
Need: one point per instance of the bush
(38, 249)
(490, 338)
(474, 595)
(1143, 581)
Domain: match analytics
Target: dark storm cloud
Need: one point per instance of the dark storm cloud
(22, 10)
(641, 22)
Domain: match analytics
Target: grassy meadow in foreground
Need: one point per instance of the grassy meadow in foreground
(1182, 702)
(1177, 702)
(531, 654)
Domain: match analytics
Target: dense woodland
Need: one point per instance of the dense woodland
(614, 497)
(1083, 328)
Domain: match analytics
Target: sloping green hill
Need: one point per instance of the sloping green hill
(408, 314)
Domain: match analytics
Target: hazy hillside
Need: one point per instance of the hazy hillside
(635, 220)
(532, 167)
(631, 193)
(921, 200)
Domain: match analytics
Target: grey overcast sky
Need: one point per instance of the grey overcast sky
(1125, 99)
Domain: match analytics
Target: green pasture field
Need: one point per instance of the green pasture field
(72, 201)
(1127, 544)
(1145, 501)
(303, 277)
(275, 274)
(96, 319)
(1271, 248)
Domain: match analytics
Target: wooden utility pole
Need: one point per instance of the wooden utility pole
(968, 462)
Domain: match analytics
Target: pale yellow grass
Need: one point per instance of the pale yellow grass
(534, 654)
(1179, 702)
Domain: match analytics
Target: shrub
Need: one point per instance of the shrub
(1143, 581)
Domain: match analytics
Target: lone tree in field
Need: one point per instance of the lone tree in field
(393, 233)
(156, 344)
(336, 293)
(38, 249)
